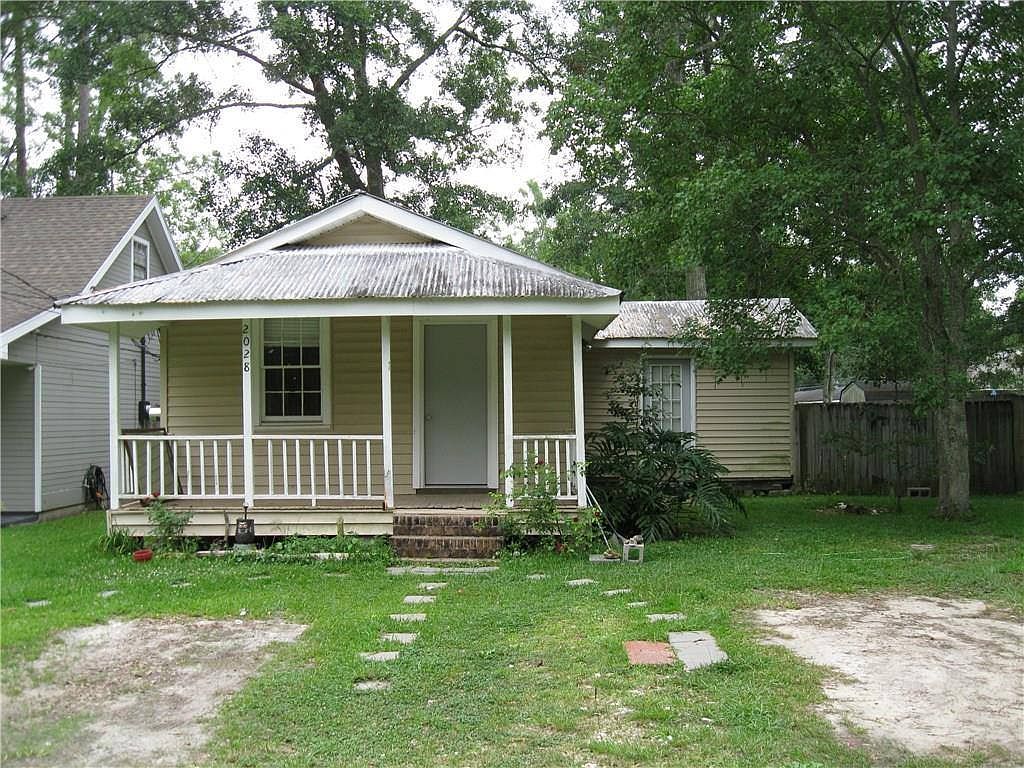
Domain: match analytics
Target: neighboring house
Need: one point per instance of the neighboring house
(367, 359)
(53, 378)
(859, 392)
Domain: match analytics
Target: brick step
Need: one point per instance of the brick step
(448, 547)
(444, 525)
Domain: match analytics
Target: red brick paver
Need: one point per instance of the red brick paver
(648, 652)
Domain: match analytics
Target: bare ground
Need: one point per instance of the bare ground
(917, 674)
(132, 693)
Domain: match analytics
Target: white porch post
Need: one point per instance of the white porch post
(506, 388)
(248, 483)
(114, 416)
(577, 401)
(385, 396)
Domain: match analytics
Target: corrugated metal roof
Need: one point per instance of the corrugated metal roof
(669, 319)
(354, 271)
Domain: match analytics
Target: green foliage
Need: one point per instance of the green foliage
(654, 481)
(118, 542)
(168, 526)
(300, 548)
(535, 521)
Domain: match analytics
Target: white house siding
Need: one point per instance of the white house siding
(74, 421)
(16, 439)
(746, 423)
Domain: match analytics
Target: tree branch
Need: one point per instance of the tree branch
(433, 48)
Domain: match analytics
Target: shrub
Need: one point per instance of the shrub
(168, 527)
(651, 480)
(118, 542)
(535, 519)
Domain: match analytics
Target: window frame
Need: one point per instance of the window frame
(136, 240)
(688, 392)
(324, 419)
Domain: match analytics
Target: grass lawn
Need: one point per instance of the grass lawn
(511, 672)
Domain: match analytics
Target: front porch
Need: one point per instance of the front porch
(395, 427)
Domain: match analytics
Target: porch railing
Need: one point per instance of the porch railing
(181, 466)
(558, 452)
(339, 467)
(311, 467)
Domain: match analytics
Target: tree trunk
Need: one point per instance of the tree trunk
(953, 459)
(696, 282)
(20, 113)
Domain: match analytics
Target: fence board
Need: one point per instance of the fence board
(879, 447)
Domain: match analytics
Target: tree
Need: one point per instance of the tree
(399, 103)
(862, 159)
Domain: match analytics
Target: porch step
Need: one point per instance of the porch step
(473, 547)
(445, 524)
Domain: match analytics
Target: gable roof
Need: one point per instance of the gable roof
(351, 271)
(643, 321)
(359, 204)
(55, 247)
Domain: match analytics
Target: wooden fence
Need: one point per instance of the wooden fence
(878, 447)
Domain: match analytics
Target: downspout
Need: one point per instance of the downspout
(143, 404)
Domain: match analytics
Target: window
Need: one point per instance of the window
(668, 397)
(140, 259)
(293, 368)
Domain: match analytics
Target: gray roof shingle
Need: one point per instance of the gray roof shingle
(353, 271)
(51, 246)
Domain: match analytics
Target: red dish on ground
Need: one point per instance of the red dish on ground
(142, 555)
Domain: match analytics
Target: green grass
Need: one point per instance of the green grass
(510, 672)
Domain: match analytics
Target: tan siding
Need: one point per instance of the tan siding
(204, 380)
(542, 375)
(746, 423)
(366, 229)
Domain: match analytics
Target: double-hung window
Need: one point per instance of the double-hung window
(140, 259)
(294, 370)
(668, 394)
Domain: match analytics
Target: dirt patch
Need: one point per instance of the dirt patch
(132, 693)
(917, 673)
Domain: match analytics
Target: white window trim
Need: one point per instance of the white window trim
(321, 422)
(149, 255)
(690, 399)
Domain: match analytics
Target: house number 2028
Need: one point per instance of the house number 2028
(246, 347)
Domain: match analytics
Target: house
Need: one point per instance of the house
(859, 392)
(53, 377)
(367, 359)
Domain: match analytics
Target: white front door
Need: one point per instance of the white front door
(455, 404)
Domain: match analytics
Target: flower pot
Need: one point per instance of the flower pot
(142, 555)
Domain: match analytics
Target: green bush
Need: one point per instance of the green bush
(535, 519)
(168, 527)
(118, 542)
(651, 480)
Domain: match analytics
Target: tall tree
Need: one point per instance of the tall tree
(864, 159)
(398, 101)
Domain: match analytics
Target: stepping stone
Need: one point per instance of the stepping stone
(371, 685)
(418, 599)
(922, 547)
(603, 559)
(259, 577)
(652, 617)
(637, 604)
(613, 592)
(182, 584)
(579, 582)
(471, 570)
(405, 638)
(537, 576)
(108, 593)
(407, 570)
(647, 652)
(379, 656)
(432, 586)
(408, 617)
(37, 603)
(696, 649)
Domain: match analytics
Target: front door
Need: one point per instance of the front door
(455, 404)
